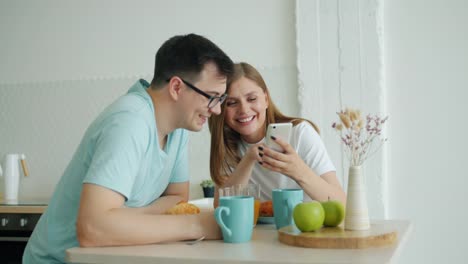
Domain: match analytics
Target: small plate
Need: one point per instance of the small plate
(266, 220)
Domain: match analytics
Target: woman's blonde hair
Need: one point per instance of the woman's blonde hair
(224, 154)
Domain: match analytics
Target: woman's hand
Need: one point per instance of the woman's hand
(291, 164)
(253, 153)
(288, 163)
(243, 170)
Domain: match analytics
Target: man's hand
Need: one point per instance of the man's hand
(210, 228)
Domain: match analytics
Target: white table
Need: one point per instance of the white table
(263, 248)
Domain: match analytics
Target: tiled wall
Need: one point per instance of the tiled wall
(46, 121)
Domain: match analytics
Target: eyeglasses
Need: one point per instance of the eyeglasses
(213, 100)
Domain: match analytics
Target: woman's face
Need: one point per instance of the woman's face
(245, 110)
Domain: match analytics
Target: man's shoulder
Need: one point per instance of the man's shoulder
(135, 100)
(127, 113)
(130, 105)
(132, 102)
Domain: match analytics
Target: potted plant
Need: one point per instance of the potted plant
(208, 188)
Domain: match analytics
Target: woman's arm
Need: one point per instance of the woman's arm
(242, 172)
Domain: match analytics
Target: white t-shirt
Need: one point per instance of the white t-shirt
(308, 145)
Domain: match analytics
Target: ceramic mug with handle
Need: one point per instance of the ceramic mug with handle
(250, 189)
(284, 201)
(234, 216)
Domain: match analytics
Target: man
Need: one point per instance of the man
(131, 165)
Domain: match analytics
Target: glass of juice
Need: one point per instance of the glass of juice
(253, 189)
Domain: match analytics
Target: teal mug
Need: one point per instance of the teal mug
(234, 216)
(284, 201)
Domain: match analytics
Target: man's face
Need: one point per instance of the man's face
(195, 105)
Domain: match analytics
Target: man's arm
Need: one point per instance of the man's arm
(103, 221)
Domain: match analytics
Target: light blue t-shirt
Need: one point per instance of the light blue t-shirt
(119, 151)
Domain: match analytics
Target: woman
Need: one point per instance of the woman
(239, 155)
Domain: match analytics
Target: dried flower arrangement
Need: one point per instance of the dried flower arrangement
(360, 140)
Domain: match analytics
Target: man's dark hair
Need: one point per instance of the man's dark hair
(185, 56)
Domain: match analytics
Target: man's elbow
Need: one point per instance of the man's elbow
(185, 196)
(87, 236)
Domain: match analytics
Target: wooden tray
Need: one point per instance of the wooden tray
(336, 237)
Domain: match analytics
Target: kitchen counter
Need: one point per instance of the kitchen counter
(24, 207)
(263, 248)
(17, 222)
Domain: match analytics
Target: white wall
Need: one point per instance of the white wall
(413, 67)
(340, 65)
(62, 62)
(59, 68)
(426, 60)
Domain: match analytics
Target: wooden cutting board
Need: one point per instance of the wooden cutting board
(337, 237)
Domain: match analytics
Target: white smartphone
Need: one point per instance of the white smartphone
(278, 130)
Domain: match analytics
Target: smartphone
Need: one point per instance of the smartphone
(278, 130)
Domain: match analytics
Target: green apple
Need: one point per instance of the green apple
(334, 213)
(308, 216)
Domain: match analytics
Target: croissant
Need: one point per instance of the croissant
(183, 208)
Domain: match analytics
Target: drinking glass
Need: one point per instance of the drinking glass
(251, 189)
(228, 191)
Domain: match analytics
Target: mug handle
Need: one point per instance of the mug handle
(219, 220)
(291, 206)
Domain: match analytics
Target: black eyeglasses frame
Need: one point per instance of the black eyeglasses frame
(211, 98)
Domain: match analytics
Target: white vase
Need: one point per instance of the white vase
(357, 216)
